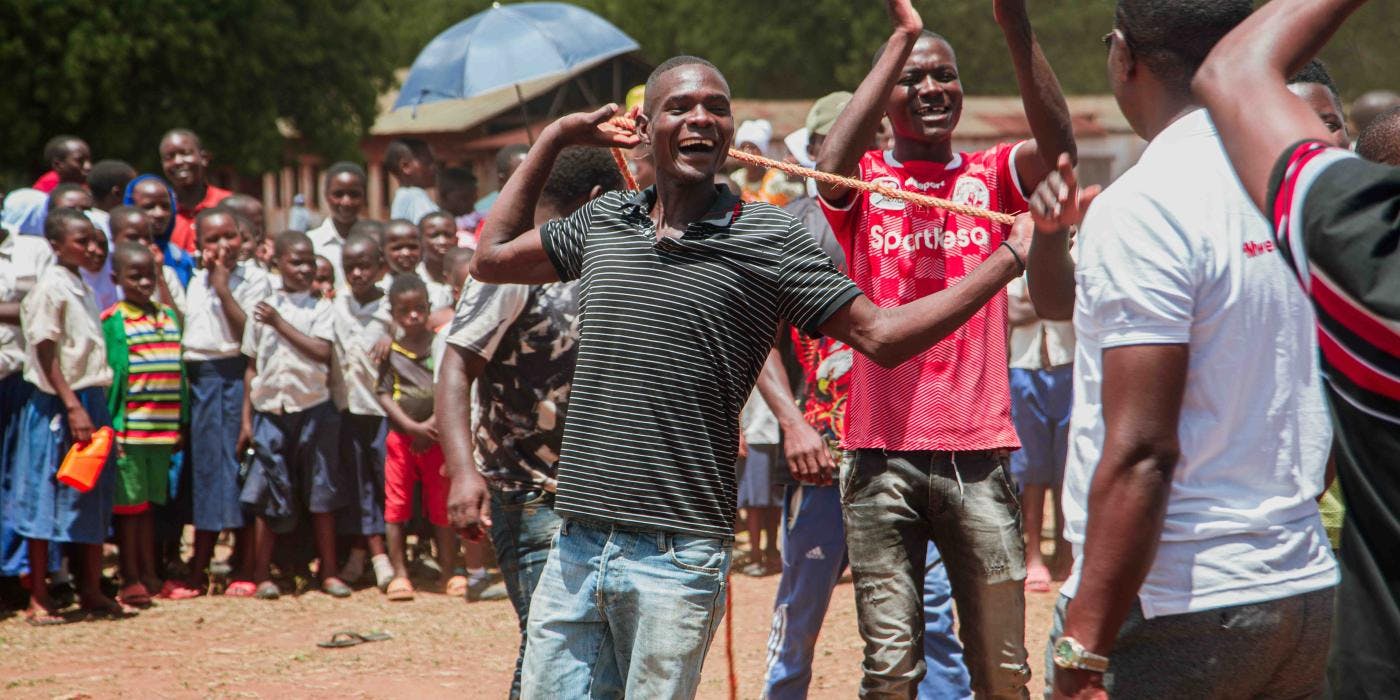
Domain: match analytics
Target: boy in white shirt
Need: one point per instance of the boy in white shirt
(218, 304)
(411, 163)
(289, 419)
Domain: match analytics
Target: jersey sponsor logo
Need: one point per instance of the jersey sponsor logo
(883, 202)
(911, 184)
(972, 192)
(1256, 248)
(887, 242)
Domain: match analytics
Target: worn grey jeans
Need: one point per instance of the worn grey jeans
(893, 503)
(1274, 649)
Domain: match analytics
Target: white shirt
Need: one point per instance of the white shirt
(288, 381)
(208, 335)
(61, 308)
(1026, 341)
(412, 203)
(1162, 261)
(759, 423)
(357, 327)
(439, 294)
(22, 260)
(326, 241)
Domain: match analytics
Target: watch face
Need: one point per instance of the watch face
(1065, 656)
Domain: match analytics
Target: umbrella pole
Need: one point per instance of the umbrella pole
(524, 114)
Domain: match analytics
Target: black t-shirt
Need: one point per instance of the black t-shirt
(673, 334)
(1337, 222)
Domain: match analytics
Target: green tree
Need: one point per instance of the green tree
(122, 73)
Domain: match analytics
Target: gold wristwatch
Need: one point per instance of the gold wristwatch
(1070, 654)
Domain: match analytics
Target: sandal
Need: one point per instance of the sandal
(401, 589)
(1038, 580)
(179, 590)
(336, 588)
(267, 590)
(241, 589)
(349, 638)
(455, 586)
(134, 595)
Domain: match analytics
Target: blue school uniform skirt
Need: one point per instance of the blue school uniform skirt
(362, 466)
(39, 506)
(14, 394)
(216, 414)
(296, 466)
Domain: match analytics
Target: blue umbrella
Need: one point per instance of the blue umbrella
(508, 45)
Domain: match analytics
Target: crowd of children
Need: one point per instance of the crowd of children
(258, 386)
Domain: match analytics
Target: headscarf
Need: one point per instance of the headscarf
(24, 212)
(175, 257)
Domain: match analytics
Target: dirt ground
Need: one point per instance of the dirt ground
(218, 647)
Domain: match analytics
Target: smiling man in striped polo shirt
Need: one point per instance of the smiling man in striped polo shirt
(682, 288)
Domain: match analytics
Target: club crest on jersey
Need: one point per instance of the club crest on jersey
(972, 192)
(883, 202)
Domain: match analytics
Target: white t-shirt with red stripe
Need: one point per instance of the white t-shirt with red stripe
(953, 396)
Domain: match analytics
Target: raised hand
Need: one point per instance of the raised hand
(1009, 9)
(904, 17)
(265, 313)
(595, 129)
(1058, 203)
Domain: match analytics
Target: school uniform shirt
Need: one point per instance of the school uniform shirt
(357, 327)
(1172, 260)
(1041, 344)
(439, 294)
(207, 332)
(412, 203)
(288, 381)
(11, 340)
(955, 395)
(182, 234)
(672, 335)
(326, 241)
(62, 309)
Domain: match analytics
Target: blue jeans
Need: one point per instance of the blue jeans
(814, 555)
(622, 613)
(523, 525)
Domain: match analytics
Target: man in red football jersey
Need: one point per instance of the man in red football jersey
(931, 436)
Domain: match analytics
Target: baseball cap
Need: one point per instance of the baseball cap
(824, 112)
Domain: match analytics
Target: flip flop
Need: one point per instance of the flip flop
(267, 590)
(376, 636)
(455, 586)
(179, 590)
(336, 588)
(400, 589)
(46, 620)
(134, 595)
(241, 589)
(1038, 581)
(340, 640)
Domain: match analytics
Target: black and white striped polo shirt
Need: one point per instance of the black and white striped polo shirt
(673, 334)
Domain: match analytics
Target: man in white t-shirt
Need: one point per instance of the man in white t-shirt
(1199, 435)
(411, 163)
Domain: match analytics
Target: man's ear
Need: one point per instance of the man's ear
(644, 129)
(595, 193)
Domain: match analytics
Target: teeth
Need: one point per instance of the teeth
(697, 142)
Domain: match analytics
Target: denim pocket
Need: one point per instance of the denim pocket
(1003, 472)
(702, 555)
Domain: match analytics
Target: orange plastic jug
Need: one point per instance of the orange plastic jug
(84, 463)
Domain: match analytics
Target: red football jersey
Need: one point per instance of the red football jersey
(954, 396)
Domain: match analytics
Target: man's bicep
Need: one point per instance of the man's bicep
(1138, 411)
(523, 260)
(1255, 144)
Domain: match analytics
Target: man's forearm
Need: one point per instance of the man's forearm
(1244, 77)
(1127, 506)
(1041, 96)
(1050, 276)
(514, 210)
(891, 336)
(452, 406)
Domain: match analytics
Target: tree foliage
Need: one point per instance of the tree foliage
(122, 73)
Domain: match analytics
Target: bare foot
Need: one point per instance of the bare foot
(1037, 577)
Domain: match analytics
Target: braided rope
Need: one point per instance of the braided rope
(922, 200)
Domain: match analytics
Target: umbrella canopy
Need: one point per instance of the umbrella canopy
(508, 46)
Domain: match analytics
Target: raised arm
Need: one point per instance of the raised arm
(889, 336)
(1044, 102)
(510, 249)
(856, 126)
(1245, 76)
(1057, 206)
